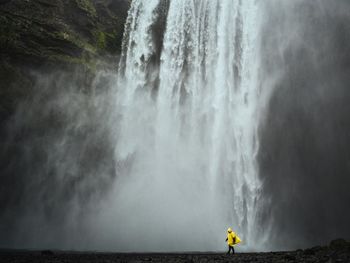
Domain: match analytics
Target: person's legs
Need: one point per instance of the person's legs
(229, 250)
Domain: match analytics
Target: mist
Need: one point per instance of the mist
(304, 153)
(56, 160)
(156, 152)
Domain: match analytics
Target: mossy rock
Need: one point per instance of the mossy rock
(108, 42)
(101, 40)
(339, 244)
(49, 35)
(87, 6)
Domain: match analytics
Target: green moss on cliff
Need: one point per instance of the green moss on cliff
(87, 6)
(113, 41)
(50, 35)
(108, 42)
(73, 38)
(101, 40)
(80, 30)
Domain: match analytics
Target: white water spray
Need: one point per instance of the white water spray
(187, 127)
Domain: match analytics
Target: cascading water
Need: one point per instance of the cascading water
(187, 124)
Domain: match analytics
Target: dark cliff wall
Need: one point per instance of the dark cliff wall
(305, 142)
(75, 31)
(47, 35)
(56, 158)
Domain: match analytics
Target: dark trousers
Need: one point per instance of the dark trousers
(231, 248)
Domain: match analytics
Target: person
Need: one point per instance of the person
(231, 239)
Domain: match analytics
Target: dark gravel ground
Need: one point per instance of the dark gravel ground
(337, 251)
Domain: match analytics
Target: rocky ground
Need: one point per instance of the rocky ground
(337, 251)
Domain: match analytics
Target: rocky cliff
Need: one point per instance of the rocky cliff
(46, 35)
(51, 53)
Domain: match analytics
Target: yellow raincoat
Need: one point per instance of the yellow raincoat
(232, 238)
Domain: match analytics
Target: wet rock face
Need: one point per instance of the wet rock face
(47, 35)
(65, 31)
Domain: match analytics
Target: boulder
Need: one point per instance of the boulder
(339, 244)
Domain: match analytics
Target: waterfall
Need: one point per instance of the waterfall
(187, 124)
